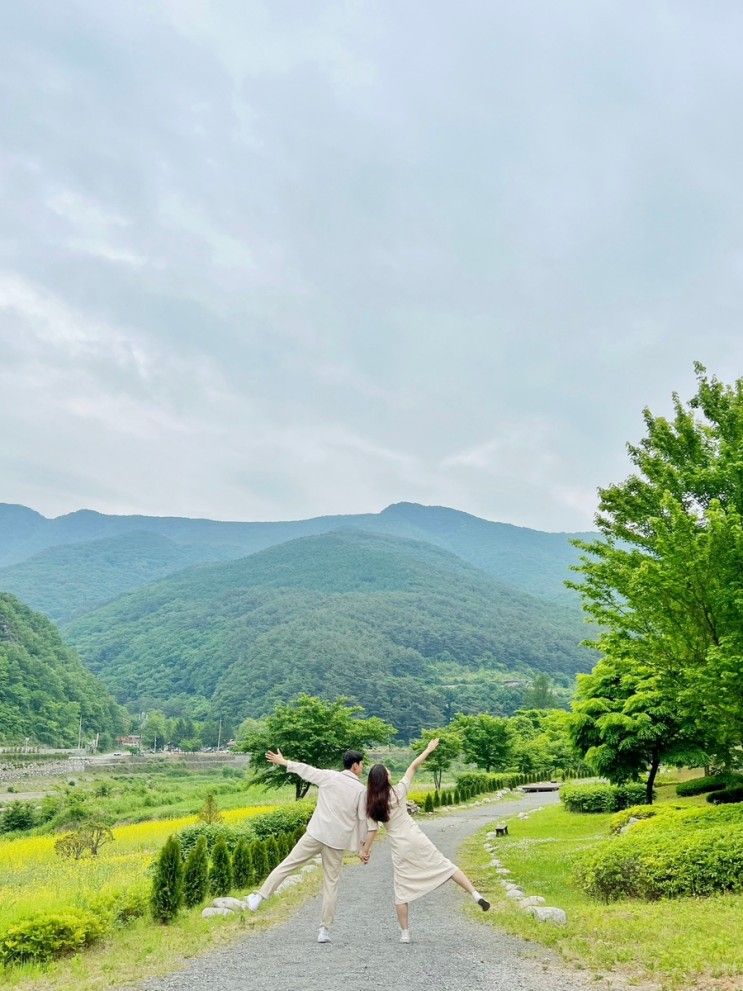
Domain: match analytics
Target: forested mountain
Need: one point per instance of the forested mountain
(407, 629)
(44, 689)
(66, 565)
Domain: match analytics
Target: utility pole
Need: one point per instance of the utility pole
(80, 733)
(219, 735)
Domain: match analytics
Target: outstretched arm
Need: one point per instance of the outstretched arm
(314, 775)
(410, 773)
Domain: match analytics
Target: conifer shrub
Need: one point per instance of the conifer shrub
(437, 800)
(428, 804)
(457, 796)
(261, 869)
(196, 874)
(167, 883)
(273, 852)
(220, 870)
(242, 867)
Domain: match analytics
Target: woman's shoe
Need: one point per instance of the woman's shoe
(484, 904)
(405, 936)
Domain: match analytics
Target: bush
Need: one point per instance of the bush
(436, 800)
(50, 935)
(273, 852)
(261, 869)
(727, 796)
(287, 819)
(220, 872)
(167, 883)
(457, 796)
(212, 833)
(715, 782)
(119, 907)
(196, 874)
(428, 804)
(16, 816)
(664, 863)
(601, 798)
(242, 865)
(620, 819)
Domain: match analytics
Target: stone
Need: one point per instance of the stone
(490, 835)
(502, 870)
(514, 893)
(233, 904)
(211, 913)
(531, 901)
(556, 915)
(289, 882)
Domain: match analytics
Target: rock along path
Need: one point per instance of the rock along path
(450, 951)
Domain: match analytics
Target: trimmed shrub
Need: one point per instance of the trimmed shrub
(714, 782)
(457, 796)
(601, 798)
(50, 935)
(167, 882)
(620, 819)
(196, 874)
(261, 870)
(428, 804)
(212, 833)
(273, 852)
(287, 819)
(727, 796)
(437, 800)
(220, 870)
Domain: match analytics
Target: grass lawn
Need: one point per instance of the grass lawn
(674, 943)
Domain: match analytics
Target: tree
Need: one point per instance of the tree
(540, 695)
(155, 730)
(220, 872)
(486, 740)
(664, 585)
(209, 812)
(443, 756)
(242, 864)
(85, 835)
(196, 874)
(313, 731)
(167, 883)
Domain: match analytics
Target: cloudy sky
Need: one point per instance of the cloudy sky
(273, 260)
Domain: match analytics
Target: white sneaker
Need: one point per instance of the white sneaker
(324, 935)
(254, 901)
(405, 936)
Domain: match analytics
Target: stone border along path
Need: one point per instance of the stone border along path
(449, 952)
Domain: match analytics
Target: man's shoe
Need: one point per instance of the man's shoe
(254, 901)
(324, 935)
(405, 936)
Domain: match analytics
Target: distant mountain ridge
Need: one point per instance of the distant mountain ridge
(410, 630)
(73, 563)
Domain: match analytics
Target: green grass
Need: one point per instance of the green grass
(677, 943)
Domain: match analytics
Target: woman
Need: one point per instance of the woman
(418, 866)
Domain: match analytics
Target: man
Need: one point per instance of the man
(337, 824)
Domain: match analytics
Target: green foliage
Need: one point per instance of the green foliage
(664, 585)
(620, 819)
(486, 740)
(428, 805)
(261, 868)
(411, 632)
(17, 816)
(286, 819)
(209, 812)
(443, 756)
(242, 865)
(672, 855)
(167, 882)
(273, 852)
(313, 731)
(44, 689)
(50, 935)
(196, 873)
(221, 880)
(727, 795)
(699, 786)
(212, 833)
(601, 798)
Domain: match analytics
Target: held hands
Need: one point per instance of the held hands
(276, 758)
(364, 855)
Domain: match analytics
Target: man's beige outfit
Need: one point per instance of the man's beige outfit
(337, 824)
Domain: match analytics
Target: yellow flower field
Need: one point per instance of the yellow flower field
(34, 879)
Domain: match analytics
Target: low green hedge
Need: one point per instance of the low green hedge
(692, 852)
(620, 819)
(53, 934)
(601, 797)
(727, 795)
(714, 782)
(286, 819)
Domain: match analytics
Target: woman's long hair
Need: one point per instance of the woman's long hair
(378, 791)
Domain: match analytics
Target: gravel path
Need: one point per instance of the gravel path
(449, 952)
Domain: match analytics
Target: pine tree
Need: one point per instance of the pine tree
(210, 810)
(242, 864)
(220, 873)
(260, 864)
(167, 884)
(457, 796)
(273, 853)
(428, 804)
(196, 874)
(436, 800)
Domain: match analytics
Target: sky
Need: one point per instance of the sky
(285, 259)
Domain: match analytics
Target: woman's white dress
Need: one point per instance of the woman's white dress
(418, 865)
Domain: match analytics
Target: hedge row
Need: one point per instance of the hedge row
(601, 797)
(679, 853)
(710, 783)
(288, 819)
(727, 796)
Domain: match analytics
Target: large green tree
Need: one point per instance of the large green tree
(311, 730)
(665, 585)
(486, 740)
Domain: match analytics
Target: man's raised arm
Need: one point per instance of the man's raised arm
(314, 775)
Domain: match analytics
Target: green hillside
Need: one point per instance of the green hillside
(409, 630)
(43, 686)
(68, 565)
